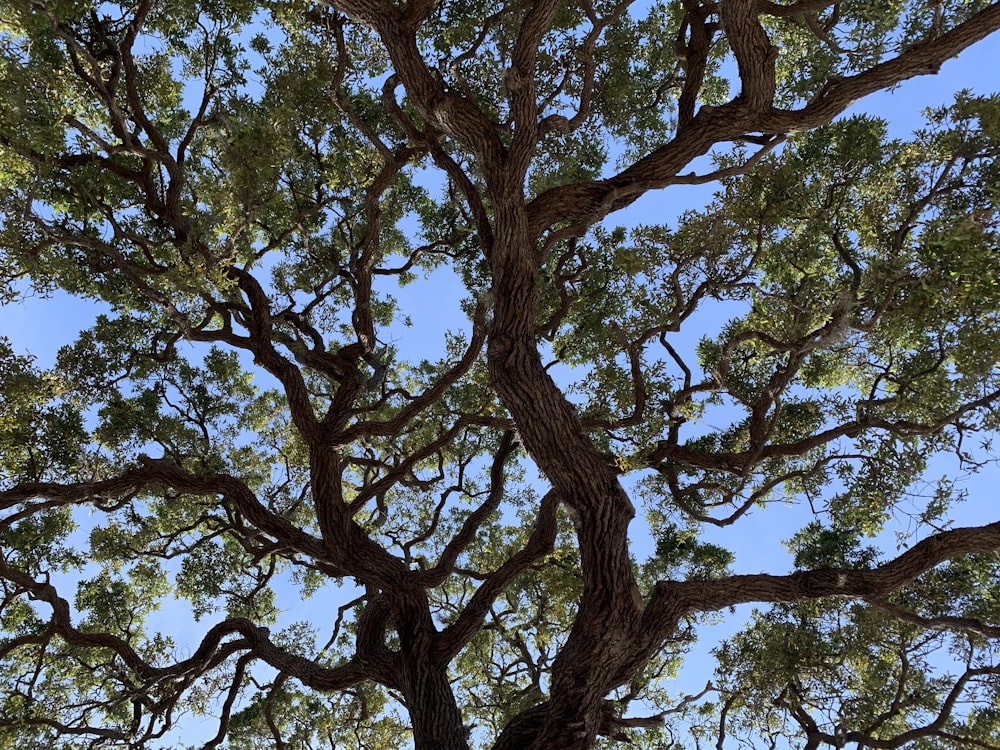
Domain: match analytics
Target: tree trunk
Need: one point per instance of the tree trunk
(610, 608)
(434, 715)
(430, 701)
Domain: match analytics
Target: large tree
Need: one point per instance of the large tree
(243, 188)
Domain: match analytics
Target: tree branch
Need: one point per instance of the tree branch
(921, 59)
(673, 599)
(456, 635)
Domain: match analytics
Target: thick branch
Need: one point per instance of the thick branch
(673, 599)
(922, 59)
(449, 112)
(755, 55)
(588, 202)
(521, 82)
(803, 7)
(167, 473)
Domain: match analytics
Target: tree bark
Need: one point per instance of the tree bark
(437, 722)
(434, 713)
(600, 640)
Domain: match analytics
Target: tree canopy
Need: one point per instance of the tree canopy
(261, 199)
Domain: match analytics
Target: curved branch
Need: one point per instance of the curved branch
(211, 652)
(588, 202)
(673, 599)
(933, 729)
(165, 472)
(755, 55)
(433, 393)
(436, 575)
(449, 112)
(456, 635)
(922, 59)
(262, 346)
(521, 82)
(943, 622)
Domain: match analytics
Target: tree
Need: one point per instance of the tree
(244, 189)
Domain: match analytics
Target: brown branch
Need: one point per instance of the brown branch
(261, 343)
(372, 652)
(436, 575)
(445, 162)
(520, 82)
(447, 111)
(802, 7)
(933, 729)
(694, 59)
(154, 472)
(755, 55)
(673, 599)
(415, 11)
(227, 705)
(455, 636)
(922, 59)
(211, 652)
(347, 544)
(692, 178)
(433, 393)
(399, 471)
(598, 25)
(740, 462)
(588, 202)
(369, 12)
(104, 733)
(942, 622)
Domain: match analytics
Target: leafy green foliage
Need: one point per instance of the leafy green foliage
(678, 548)
(260, 489)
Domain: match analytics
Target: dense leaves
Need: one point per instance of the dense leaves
(388, 428)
